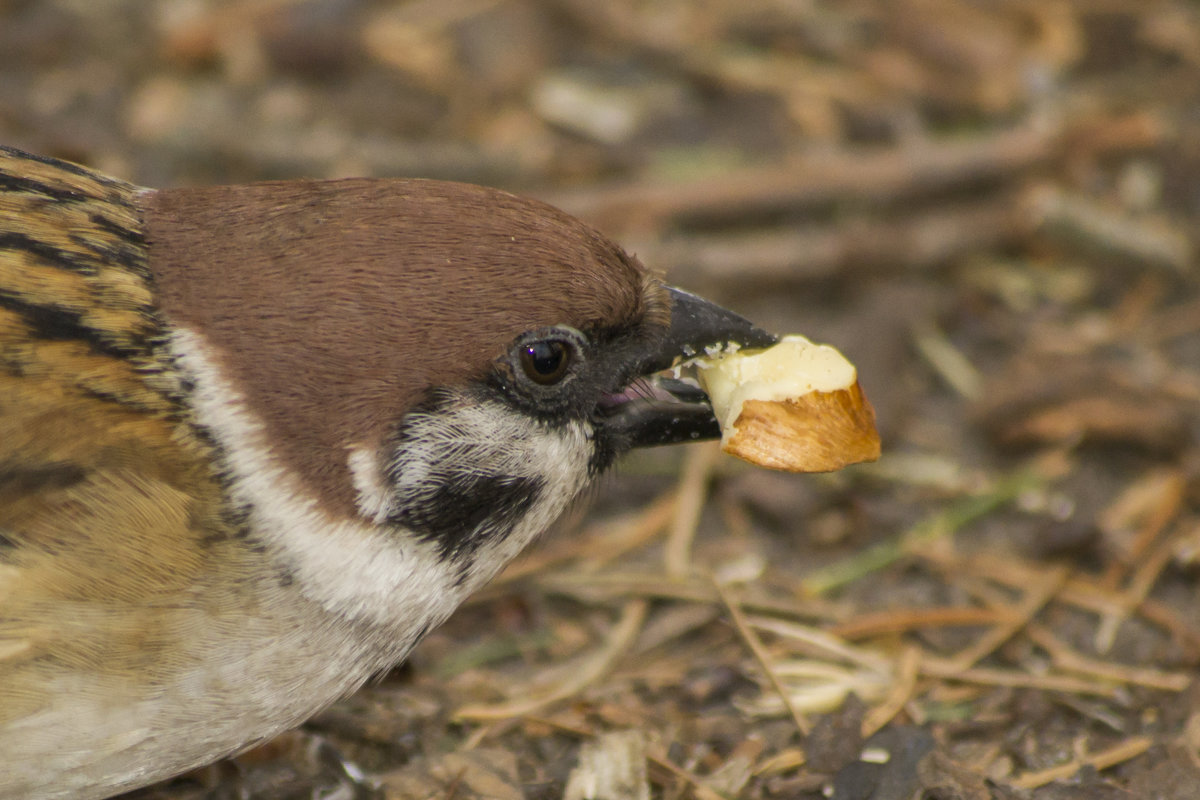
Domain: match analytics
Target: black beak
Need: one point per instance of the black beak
(656, 410)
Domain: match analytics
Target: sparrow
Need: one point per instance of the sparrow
(256, 441)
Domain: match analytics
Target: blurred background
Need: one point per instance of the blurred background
(989, 205)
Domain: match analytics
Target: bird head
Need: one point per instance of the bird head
(432, 371)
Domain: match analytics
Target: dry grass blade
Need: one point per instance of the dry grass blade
(784, 761)
(620, 639)
(1067, 659)
(1122, 752)
(1154, 501)
(693, 485)
(1145, 507)
(985, 676)
(762, 657)
(948, 361)
(829, 670)
(820, 643)
(1035, 599)
(902, 620)
(597, 587)
(599, 543)
(1078, 592)
(908, 669)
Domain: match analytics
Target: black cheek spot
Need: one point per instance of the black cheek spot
(465, 511)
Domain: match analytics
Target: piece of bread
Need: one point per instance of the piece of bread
(796, 406)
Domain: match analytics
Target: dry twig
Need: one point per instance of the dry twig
(762, 657)
(620, 639)
(693, 485)
(1130, 748)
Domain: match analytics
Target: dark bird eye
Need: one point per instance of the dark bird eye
(546, 361)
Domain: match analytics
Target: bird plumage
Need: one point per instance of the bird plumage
(102, 479)
(256, 441)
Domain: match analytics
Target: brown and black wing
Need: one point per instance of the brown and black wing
(104, 489)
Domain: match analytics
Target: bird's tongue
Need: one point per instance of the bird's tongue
(650, 389)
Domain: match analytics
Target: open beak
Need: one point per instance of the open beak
(655, 409)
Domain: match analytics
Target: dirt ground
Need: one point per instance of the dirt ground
(990, 206)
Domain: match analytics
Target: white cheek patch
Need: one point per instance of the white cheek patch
(466, 439)
(348, 566)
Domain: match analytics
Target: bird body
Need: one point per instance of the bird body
(256, 441)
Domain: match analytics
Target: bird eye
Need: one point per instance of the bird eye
(545, 361)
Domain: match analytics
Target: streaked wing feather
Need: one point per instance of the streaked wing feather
(102, 481)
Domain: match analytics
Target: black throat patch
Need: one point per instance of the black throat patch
(465, 470)
(462, 511)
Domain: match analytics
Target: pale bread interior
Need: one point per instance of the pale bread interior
(795, 406)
